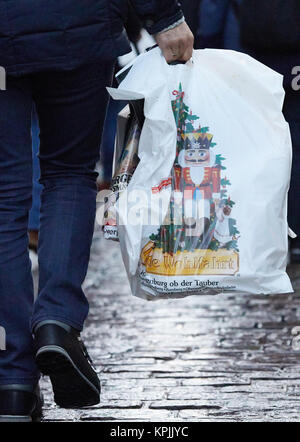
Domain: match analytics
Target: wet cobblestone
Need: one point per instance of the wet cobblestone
(221, 358)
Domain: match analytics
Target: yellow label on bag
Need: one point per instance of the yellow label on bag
(199, 262)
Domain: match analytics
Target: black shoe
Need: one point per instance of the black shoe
(61, 355)
(20, 403)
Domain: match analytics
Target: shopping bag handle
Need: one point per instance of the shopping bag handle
(172, 63)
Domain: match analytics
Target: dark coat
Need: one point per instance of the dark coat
(38, 35)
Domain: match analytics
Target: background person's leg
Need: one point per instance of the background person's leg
(71, 107)
(292, 115)
(108, 143)
(16, 289)
(34, 214)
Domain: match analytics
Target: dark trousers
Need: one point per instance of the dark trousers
(71, 109)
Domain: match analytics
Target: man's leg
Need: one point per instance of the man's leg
(17, 364)
(71, 107)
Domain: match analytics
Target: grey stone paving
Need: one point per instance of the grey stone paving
(221, 358)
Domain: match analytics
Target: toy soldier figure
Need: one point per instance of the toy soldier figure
(197, 182)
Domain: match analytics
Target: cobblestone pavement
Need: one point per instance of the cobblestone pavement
(221, 358)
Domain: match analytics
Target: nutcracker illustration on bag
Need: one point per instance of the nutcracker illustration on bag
(197, 182)
(198, 235)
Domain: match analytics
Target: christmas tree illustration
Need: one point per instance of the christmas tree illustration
(172, 236)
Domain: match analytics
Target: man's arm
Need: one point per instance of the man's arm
(164, 19)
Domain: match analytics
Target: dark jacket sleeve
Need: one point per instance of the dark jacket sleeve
(156, 15)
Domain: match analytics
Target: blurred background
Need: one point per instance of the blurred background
(226, 358)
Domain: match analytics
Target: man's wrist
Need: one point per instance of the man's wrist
(155, 27)
(174, 25)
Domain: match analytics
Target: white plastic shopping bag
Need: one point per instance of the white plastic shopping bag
(206, 209)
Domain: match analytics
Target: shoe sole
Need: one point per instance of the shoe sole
(71, 387)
